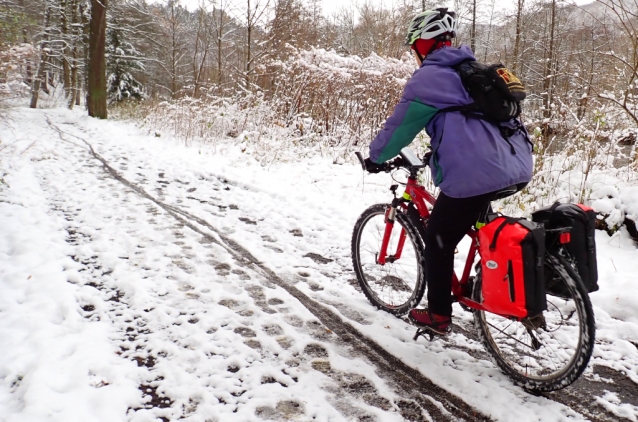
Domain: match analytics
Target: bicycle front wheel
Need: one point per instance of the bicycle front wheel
(551, 351)
(398, 285)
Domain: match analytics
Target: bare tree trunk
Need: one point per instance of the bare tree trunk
(547, 74)
(73, 80)
(97, 60)
(197, 38)
(74, 59)
(37, 83)
(203, 35)
(220, 34)
(28, 79)
(489, 31)
(249, 30)
(473, 29)
(517, 41)
(582, 103)
(254, 15)
(64, 28)
(174, 52)
(85, 51)
(40, 76)
(78, 92)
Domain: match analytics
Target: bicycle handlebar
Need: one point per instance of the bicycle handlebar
(394, 164)
(387, 166)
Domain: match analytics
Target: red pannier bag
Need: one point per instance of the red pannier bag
(512, 267)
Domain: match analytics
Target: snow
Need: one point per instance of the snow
(53, 360)
(109, 302)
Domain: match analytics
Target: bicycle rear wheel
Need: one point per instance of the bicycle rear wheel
(551, 351)
(395, 287)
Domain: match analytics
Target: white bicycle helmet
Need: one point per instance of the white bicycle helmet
(432, 24)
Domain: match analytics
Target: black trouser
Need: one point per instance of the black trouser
(450, 220)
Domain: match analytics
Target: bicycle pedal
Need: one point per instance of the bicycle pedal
(421, 332)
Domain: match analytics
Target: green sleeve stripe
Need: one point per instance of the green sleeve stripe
(417, 116)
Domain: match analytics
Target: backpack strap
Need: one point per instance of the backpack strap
(507, 139)
(463, 108)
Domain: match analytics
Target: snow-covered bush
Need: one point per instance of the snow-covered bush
(345, 97)
(16, 66)
(593, 165)
(317, 102)
(314, 101)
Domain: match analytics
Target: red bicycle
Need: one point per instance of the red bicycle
(544, 353)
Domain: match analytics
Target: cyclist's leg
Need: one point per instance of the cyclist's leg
(450, 220)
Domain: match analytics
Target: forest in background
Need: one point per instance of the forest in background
(280, 78)
(578, 63)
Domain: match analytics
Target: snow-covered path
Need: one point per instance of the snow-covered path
(197, 285)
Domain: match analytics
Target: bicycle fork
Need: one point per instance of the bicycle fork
(390, 217)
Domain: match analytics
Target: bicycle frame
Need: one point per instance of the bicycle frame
(416, 194)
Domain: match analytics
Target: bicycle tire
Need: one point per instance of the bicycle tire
(583, 349)
(368, 282)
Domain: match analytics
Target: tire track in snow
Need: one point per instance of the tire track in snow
(155, 340)
(581, 396)
(440, 404)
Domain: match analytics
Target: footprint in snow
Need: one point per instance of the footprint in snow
(229, 303)
(318, 258)
(245, 332)
(315, 350)
(274, 248)
(272, 329)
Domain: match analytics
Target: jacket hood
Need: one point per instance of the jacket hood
(449, 56)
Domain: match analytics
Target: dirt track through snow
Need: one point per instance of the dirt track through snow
(418, 394)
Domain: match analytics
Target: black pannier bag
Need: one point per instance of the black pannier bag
(582, 245)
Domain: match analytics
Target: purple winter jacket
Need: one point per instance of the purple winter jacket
(470, 157)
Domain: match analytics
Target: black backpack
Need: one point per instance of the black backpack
(497, 92)
(582, 246)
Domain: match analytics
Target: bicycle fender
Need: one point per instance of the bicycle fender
(415, 218)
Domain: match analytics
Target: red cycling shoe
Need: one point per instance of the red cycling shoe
(437, 324)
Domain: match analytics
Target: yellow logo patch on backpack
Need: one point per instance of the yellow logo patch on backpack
(513, 83)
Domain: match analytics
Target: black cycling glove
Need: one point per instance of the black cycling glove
(426, 156)
(373, 167)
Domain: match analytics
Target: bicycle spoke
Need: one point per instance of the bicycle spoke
(551, 353)
(394, 283)
(507, 335)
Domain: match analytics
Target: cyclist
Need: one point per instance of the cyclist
(471, 158)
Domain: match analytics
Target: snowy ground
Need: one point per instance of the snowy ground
(138, 297)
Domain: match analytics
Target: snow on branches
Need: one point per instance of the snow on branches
(16, 64)
(345, 97)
